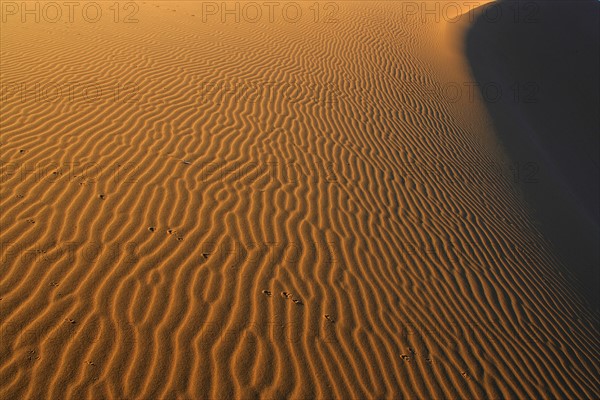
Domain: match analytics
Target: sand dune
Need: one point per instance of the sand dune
(549, 120)
(297, 208)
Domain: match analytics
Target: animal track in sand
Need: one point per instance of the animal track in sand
(329, 318)
(266, 292)
(288, 295)
(31, 356)
(151, 229)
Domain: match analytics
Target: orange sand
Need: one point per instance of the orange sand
(327, 160)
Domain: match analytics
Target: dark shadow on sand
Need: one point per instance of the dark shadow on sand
(545, 57)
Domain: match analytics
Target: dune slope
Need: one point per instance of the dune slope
(546, 56)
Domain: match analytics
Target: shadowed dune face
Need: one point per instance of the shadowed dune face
(231, 208)
(545, 55)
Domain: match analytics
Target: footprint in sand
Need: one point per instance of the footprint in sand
(31, 221)
(205, 255)
(298, 302)
(71, 321)
(266, 292)
(405, 357)
(22, 151)
(180, 238)
(152, 229)
(102, 197)
(171, 231)
(329, 318)
(20, 196)
(286, 295)
(465, 375)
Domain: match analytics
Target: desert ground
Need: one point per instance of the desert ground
(299, 200)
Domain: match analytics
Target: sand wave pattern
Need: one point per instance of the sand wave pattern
(200, 210)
